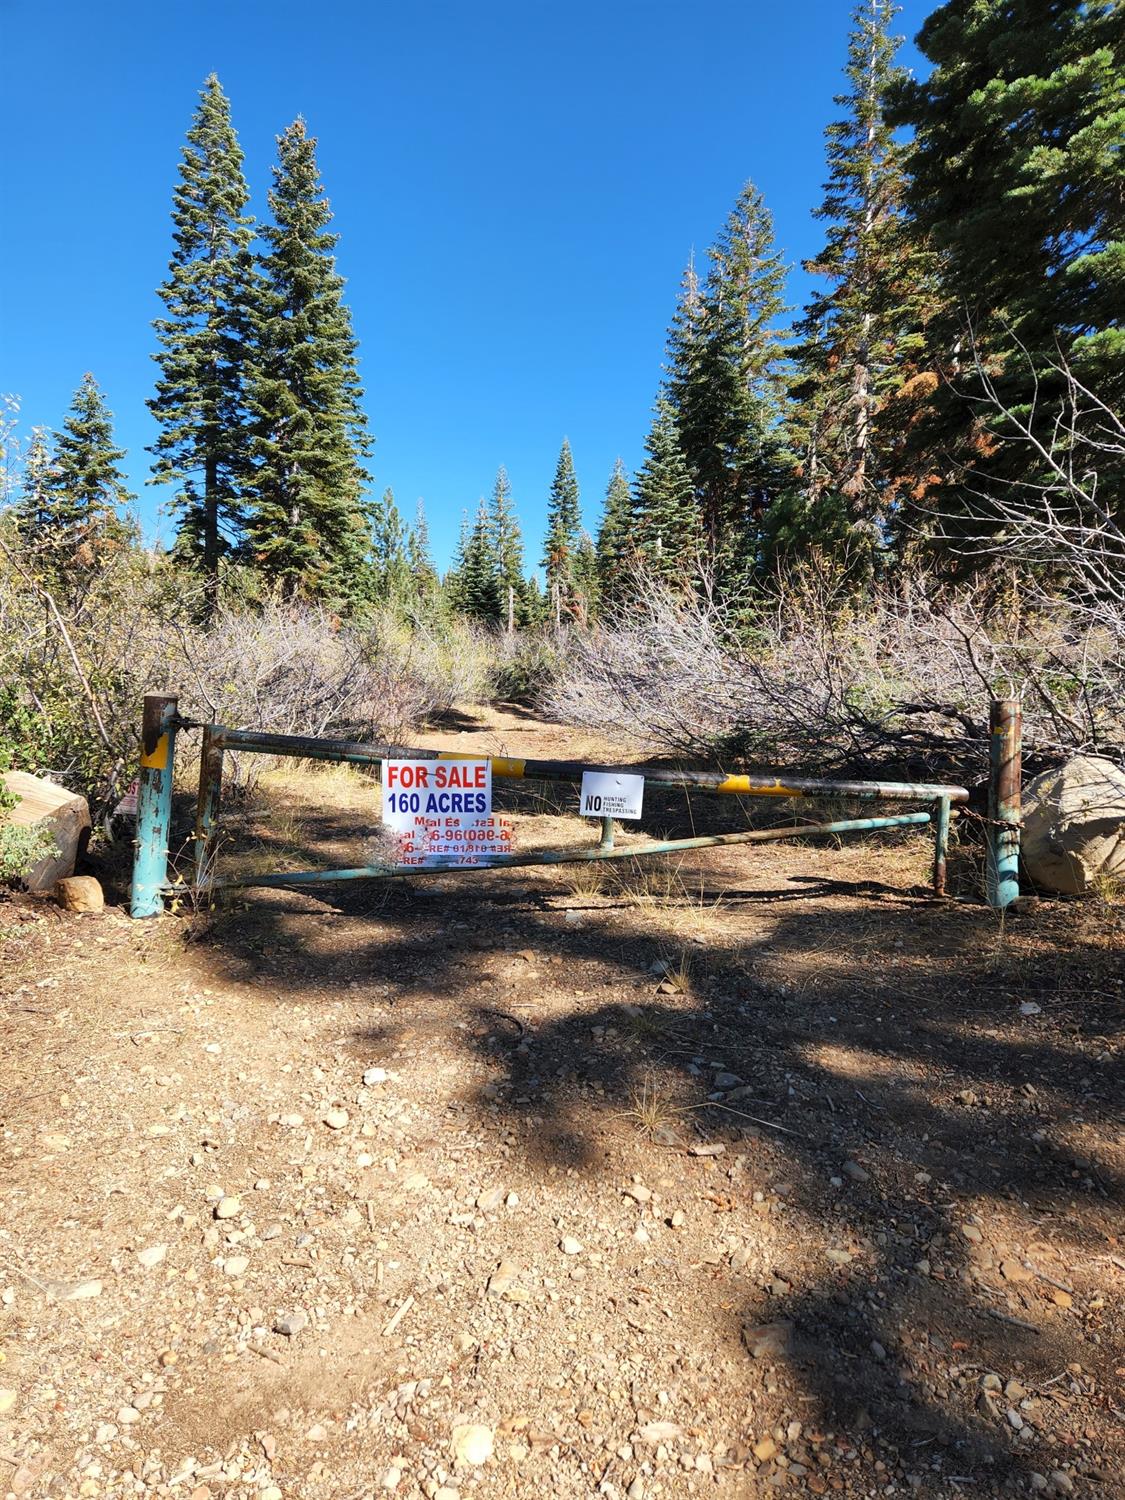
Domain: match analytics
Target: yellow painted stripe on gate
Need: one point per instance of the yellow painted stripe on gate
(502, 766)
(158, 759)
(748, 788)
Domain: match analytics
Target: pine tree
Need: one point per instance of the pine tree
(861, 336)
(31, 513)
(665, 519)
(79, 496)
(422, 568)
(1017, 179)
(205, 342)
(391, 572)
(724, 383)
(306, 528)
(563, 524)
(615, 541)
(587, 593)
(507, 543)
(478, 572)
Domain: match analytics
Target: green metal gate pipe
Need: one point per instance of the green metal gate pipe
(154, 806)
(570, 856)
(747, 784)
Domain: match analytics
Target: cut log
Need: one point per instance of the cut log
(63, 814)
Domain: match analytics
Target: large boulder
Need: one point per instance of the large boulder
(1074, 825)
(63, 814)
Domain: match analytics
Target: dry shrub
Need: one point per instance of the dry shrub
(813, 679)
(72, 678)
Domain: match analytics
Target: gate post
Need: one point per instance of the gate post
(154, 805)
(941, 844)
(1005, 724)
(207, 807)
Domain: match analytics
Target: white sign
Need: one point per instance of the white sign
(607, 795)
(441, 811)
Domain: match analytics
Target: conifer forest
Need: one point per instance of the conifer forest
(605, 981)
(933, 445)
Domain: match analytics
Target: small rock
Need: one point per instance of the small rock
(857, 1173)
(336, 1119)
(708, 1148)
(105, 1432)
(291, 1121)
(660, 1432)
(972, 1234)
(471, 1444)
(81, 1291)
(317, 1433)
(840, 1257)
(765, 1448)
(877, 1350)
(1062, 1481)
(8, 1399)
(152, 1256)
(678, 1219)
(491, 1199)
(271, 1492)
(228, 1208)
(1029, 1008)
(767, 1339)
(637, 1192)
(570, 1246)
(1014, 1270)
(80, 893)
(726, 1081)
(390, 1480)
(127, 1415)
(502, 1280)
(292, 1323)
(236, 1265)
(373, 1076)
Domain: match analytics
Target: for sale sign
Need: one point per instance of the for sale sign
(440, 811)
(607, 795)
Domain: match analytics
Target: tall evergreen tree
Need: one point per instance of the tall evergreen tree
(665, 518)
(861, 337)
(307, 528)
(418, 550)
(587, 592)
(392, 574)
(478, 574)
(31, 512)
(563, 524)
(1017, 179)
(724, 382)
(507, 543)
(77, 495)
(615, 535)
(205, 341)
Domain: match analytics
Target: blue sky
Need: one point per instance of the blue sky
(517, 186)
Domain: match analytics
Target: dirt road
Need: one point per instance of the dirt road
(761, 1173)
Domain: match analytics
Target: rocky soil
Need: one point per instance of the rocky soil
(764, 1175)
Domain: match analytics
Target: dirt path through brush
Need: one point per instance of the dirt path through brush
(756, 1172)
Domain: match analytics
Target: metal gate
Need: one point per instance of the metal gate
(162, 722)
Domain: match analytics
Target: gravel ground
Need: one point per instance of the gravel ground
(765, 1174)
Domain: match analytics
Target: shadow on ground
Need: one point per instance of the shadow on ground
(887, 1095)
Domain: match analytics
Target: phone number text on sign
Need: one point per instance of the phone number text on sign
(441, 811)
